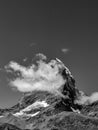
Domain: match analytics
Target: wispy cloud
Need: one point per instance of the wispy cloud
(32, 44)
(84, 99)
(65, 50)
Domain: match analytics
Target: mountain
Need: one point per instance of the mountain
(43, 110)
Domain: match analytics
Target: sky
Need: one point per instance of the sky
(67, 30)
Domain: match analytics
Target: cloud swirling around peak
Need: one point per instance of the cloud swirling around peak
(43, 76)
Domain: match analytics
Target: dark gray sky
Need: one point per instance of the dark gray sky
(29, 27)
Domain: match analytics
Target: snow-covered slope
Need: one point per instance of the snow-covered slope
(35, 105)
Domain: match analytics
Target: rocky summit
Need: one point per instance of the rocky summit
(43, 110)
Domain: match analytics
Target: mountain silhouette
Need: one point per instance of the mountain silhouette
(43, 110)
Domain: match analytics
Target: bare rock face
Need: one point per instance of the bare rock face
(41, 110)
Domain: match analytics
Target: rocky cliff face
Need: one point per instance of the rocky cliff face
(42, 110)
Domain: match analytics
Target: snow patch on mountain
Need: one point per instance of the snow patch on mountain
(35, 105)
(21, 113)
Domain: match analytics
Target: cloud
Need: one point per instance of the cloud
(65, 50)
(41, 56)
(42, 76)
(84, 99)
